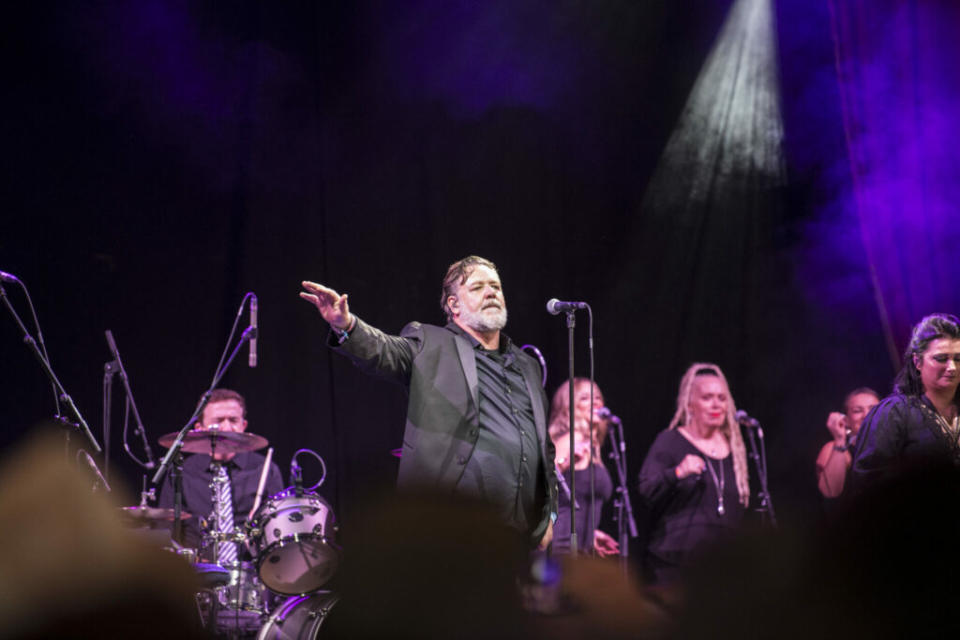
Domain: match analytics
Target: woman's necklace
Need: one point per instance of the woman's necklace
(707, 445)
(951, 428)
(718, 482)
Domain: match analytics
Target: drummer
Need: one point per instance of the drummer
(227, 412)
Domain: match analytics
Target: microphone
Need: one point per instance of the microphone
(93, 465)
(296, 476)
(606, 414)
(8, 277)
(252, 360)
(744, 418)
(555, 306)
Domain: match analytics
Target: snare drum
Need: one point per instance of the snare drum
(299, 618)
(294, 541)
(244, 592)
(239, 604)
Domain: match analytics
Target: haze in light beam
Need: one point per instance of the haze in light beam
(730, 132)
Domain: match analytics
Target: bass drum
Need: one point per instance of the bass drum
(299, 618)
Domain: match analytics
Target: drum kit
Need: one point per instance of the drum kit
(291, 542)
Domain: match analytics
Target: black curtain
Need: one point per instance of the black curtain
(164, 158)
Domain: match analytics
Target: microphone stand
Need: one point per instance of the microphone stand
(109, 369)
(760, 462)
(592, 514)
(625, 519)
(221, 370)
(131, 404)
(571, 323)
(80, 426)
(99, 479)
(174, 454)
(178, 442)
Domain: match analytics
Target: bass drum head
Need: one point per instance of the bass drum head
(298, 566)
(295, 548)
(299, 617)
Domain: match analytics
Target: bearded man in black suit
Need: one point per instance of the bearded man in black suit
(476, 416)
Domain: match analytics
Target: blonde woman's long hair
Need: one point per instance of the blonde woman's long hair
(560, 414)
(730, 428)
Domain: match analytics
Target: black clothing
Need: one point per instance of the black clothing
(504, 468)
(244, 470)
(900, 431)
(603, 489)
(683, 513)
(441, 369)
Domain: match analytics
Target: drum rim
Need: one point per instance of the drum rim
(287, 494)
(271, 620)
(272, 508)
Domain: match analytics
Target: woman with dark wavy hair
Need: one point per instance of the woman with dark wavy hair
(919, 421)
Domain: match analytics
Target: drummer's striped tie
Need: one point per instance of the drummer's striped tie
(227, 551)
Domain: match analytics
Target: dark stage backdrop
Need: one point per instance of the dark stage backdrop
(162, 158)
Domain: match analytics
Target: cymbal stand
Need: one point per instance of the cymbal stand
(214, 518)
(176, 479)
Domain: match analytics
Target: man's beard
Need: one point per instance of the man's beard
(483, 322)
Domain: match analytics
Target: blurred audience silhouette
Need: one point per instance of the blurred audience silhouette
(70, 569)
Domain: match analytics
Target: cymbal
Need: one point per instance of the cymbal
(151, 514)
(208, 442)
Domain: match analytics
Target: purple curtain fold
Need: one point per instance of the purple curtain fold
(897, 68)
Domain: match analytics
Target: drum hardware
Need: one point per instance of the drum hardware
(291, 538)
(296, 473)
(212, 575)
(236, 602)
(237, 535)
(142, 515)
(243, 591)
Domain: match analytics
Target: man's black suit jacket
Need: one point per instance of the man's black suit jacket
(439, 369)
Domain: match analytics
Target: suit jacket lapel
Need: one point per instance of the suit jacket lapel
(469, 363)
(533, 388)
